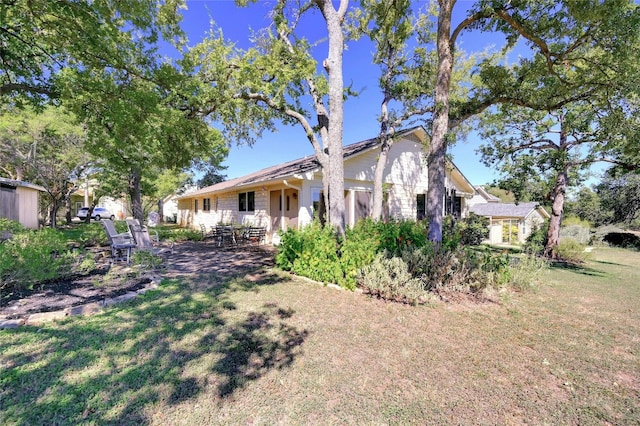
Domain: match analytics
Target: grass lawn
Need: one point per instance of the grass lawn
(268, 350)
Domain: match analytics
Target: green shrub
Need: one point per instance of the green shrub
(471, 230)
(339, 261)
(537, 240)
(573, 220)
(11, 226)
(359, 248)
(289, 249)
(602, 231)
(397, 235)
(34, 256)
(311, 252)
(92, 234)
(439, 268)
(390, 279)
(570, 250)
(622, 239)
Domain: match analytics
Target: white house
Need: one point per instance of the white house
(510, 223)
(291, 194)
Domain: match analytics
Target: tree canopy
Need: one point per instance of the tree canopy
(41, 37)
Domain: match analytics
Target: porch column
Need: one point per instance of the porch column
(283, 225)
(352, 208)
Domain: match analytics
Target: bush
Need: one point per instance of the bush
(390, 279)
(526, 271)
(537, 240)
(11, 226)
(395, 236)
(622, 239)
(573, 220)
(570, 250)
(579, 233)
(179, 234)
(311, 252)
(602, 231)
(34, 256)
(470, 231)
(359, 249)
(92, 234)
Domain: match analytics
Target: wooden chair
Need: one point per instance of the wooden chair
(120, 243)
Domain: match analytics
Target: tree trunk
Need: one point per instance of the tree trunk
(438, 145)
(378, 192)
(558, 195)
(160, 210)
(136, 195)
(53, 211)
(68, 206)
(333, 66)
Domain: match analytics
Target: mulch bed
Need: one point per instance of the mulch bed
(189, 259)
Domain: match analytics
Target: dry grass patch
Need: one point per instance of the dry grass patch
(269, 350)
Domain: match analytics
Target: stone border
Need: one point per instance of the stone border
(86, 309)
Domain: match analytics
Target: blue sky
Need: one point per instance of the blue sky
(361, 113)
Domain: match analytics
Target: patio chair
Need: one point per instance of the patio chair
(121, 243)
(212, 233)
(226, 234)
(254, 234)
(152, 222)
(143, 240)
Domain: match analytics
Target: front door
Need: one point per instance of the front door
(283, 205)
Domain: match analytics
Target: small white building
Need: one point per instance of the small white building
(20, 201)
(510, 223)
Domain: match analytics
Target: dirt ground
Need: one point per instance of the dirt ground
(189, 260)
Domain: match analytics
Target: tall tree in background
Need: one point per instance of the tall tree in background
(141, 127)
(619, 194)
(47, 149)
(277, 80)
(565, 107)
(572, 46)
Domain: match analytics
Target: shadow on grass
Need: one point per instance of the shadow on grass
(604, 262)
(578, 269)
(162, 349)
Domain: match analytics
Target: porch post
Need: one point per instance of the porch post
(283, 226)
(352, 208)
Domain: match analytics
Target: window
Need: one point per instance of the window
(195, 206)
(206, 204)
(421, 205)
(246, 201)
(319, 210)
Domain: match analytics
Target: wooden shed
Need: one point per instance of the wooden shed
(20, 201)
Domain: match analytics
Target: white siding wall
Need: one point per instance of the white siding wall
(405, 174)
(28, 208)
(535, 219)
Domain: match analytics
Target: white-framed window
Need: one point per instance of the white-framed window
(246, 201)
(206, 204)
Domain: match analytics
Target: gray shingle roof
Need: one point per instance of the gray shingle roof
(288, 169)
(504, 209)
